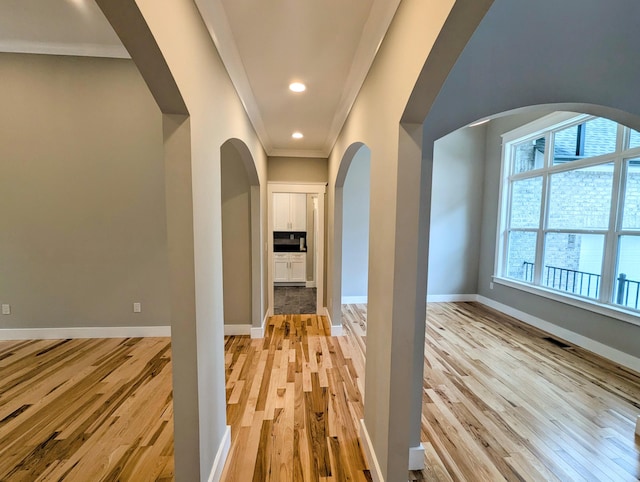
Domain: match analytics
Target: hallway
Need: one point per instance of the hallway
(294, 403)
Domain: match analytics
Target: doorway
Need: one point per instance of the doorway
(241, 270)
(296, 248)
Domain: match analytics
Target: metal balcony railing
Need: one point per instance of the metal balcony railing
(627, 292)
(585, 284)
(564, 279)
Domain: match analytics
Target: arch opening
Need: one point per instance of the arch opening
(355, 195)
(241, 257)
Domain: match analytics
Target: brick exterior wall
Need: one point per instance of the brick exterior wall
(578, 199)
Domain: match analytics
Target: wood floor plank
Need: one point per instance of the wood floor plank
(85, 408)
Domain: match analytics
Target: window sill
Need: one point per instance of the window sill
(611, 311)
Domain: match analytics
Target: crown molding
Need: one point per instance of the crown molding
(215, 19)
(298, 153)
(80, 50)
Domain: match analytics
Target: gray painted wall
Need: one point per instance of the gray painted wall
(355, 230)
(82, 194)
(495, 74)
(297, 169)
(456, 212)
(236, 237)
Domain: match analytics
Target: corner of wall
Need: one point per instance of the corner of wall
(258, 332)
(370, 454)
(221, 456)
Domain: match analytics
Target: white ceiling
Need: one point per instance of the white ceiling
(327, 44)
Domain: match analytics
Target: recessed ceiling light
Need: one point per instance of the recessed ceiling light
(297, 87)
(297, 135)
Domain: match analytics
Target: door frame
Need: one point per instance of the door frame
(320, 189)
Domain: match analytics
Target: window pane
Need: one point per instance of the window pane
(528, 155)
(634, 139)
(573, 262)
(521, 255)
(589, 139)
(627, 286)
(581, 199)
(631, 209)
(526, 197)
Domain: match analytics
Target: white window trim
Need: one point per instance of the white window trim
(534, 130)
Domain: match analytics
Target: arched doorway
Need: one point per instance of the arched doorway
(352, 191)
(241, 257)
(494, 75)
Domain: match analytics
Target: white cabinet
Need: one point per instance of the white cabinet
(281, 211)
(298, 207)
(280, 267)
(289, 211)
(289, 267)
(298, 267)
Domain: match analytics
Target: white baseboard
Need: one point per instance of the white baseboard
(336, 330)
(596, 347)
(235, 330)
(451, 298)
(326, 313)
(84, 332)
(310, 284)
(259, 332)
(354, 300)
(370, 454)
(416, 457)
(221, 456)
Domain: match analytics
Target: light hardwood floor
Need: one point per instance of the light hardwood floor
(86, 410)
(293, 403)
(500, 402)
(503, 399)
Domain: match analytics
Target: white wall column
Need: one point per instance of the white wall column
(177, 144)
(397, 307)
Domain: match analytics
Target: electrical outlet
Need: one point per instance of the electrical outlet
(137, 307)
(6, 309)
(491, 285)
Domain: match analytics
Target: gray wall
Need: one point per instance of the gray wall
(297, 169)
(456, 212)
(81, 194)
(236, 237)
(355, 230)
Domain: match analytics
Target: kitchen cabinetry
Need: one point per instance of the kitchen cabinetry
(289, 267)
(289, 211)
